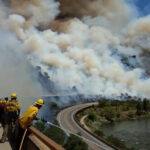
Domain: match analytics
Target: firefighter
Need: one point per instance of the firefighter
(12, 113)
(2, 107)
(26, 120)
(13, 109)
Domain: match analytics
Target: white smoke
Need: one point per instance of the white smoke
(16, 74)
(138, 37)
(77, 51)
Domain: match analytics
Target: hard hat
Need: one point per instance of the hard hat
(40, 102)
(13, 95)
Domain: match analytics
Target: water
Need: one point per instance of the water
(134, 133)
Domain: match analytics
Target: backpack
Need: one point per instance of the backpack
(2, 106)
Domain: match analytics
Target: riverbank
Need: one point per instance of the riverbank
(110, 112)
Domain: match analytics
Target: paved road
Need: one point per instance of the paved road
(66, 121)
(6, 145)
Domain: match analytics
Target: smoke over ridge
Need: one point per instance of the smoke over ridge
(73, 41)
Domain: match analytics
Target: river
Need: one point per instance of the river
(134, 133)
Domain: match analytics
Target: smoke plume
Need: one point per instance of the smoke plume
(80, 43)
(16, 72)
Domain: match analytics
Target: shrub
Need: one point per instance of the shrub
(139, 108)
(75, 143)
(103, 103)
(55, 134)
(102, 113)
(130, 114)
(118, 114)
(131, 103)
(115, 103)
(99, 133)
(125, 108)
(115, 141)
(145, 105)
(54, 105)
(92, 116)
(40, 126)
(109, 113)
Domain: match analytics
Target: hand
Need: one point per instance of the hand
(43, 120)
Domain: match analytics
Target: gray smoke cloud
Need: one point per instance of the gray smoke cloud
(73, 41)
(36, 12)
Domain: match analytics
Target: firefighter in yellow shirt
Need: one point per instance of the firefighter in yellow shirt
(13, 108)
(12, 112)
(26, 120)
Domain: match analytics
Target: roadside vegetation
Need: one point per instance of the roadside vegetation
(108, 111)
(54, 106)
(71, 142)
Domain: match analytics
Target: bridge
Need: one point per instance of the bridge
(38, 141)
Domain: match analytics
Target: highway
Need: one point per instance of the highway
(67, 122)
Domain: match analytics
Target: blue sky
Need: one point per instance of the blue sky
(142, 5)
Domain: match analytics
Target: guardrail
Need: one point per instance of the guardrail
(35, 140)
(94, 135)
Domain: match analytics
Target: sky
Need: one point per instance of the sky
(142, 5)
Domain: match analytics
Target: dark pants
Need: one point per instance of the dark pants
(20, 133)
(1, 116)
(13, 116)
(6, 125)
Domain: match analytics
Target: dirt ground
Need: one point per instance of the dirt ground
(6, 145)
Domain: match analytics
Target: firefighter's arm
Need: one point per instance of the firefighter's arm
(32, 116)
